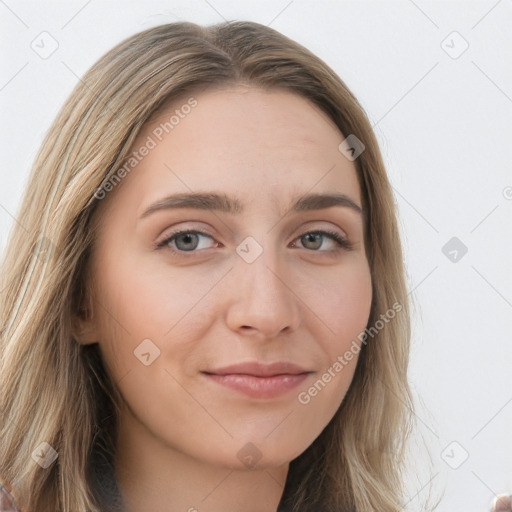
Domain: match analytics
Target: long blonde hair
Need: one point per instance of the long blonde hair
(55, 390)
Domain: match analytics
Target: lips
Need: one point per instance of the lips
(257, 369)
(259, 380)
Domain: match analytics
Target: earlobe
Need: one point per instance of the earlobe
(84, 328)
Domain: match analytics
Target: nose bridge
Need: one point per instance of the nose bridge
(263, 300)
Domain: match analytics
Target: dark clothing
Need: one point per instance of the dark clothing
(106, 486)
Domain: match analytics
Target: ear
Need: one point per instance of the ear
(85, 330)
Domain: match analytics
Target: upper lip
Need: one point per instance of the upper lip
(260, 369)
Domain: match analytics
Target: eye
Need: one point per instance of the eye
(313, 240)
(184, 241)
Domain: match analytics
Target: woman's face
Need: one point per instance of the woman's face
(256, 280)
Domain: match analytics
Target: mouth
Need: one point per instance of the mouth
(259, 380)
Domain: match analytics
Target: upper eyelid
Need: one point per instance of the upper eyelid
(306, 229)
(181, 231)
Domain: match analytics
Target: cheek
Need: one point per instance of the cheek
(346, 309)
(127, 305)
(343, 305)
(351, 302)
(137, 301)
(142, 298)
(342, 302)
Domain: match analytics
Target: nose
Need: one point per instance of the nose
(264, 303)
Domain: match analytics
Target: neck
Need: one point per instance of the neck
(153, 475)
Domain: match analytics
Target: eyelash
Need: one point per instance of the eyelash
(343, 243)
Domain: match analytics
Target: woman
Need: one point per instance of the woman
(209, 309)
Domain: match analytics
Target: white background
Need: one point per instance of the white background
(444, 125)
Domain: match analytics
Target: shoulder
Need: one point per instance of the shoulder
(7, 502)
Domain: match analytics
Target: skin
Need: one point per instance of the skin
(300, 301)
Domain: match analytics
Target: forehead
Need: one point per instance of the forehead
(253, 115)
(255, 143)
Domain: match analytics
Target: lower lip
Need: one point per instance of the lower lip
(259, 387)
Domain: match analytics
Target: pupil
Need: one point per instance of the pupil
(315, 238)
(187, 237)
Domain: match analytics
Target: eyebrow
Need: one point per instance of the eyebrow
(226, 204)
